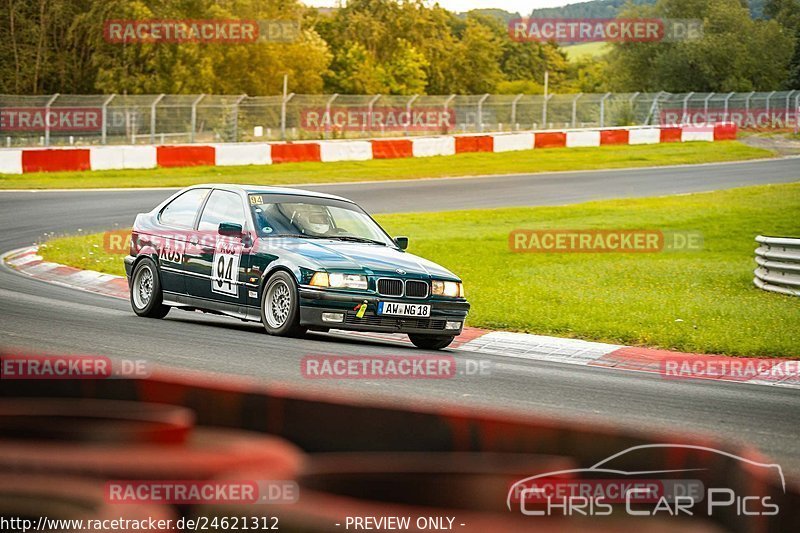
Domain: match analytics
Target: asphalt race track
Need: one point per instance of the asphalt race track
(38, 316)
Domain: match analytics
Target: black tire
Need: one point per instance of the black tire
(144, 280)
(431, 342)
(280, 306)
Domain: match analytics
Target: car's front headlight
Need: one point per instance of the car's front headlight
(338, 280)
(453, 289)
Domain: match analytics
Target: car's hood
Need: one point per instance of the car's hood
(371, 258)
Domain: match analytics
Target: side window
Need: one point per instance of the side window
(182, 210)
(222, 206)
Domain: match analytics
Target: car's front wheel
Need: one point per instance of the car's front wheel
(280, 306)
(431, 342)
(146, 296)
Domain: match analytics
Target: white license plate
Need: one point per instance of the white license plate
(397, 309)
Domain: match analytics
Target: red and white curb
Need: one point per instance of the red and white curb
(776, 372)
(27, 261)
(75, 159)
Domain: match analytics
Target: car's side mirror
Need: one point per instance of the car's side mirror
(230, 229)
(401, 242)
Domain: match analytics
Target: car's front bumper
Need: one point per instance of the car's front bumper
(315, 302)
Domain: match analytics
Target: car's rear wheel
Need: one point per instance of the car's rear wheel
(280, 306)
(146, 296)
(431, 342)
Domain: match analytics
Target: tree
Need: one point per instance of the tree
(735, 53)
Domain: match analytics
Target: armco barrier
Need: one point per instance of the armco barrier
(361, 425)
(697, 134)
(391, 149)
(55, 160)
(295, 153)
(614, 137)
(242, 154)
(550, 140)
(16, 161)
(644, 136)
(125, 157)
(671, 135)
(511, 142)
(576, 139)
(433, 146)
(10, 161)
(345, 151)
(474, 143)
(778, 260)
(185, 156)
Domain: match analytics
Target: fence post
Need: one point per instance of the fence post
(767, 103)
(747, 103)
(153, 118)
(480, 112)
(514, 110)
(603, 109)
(446, 107)
(194, 117)
(236, 117)
(788, 100)
(408, 110)
(284, 106)
(104, 131)
(726, 105)
(328, 114)
(685, 107)
(47, 119)
(797, 113)
(705, 106)
(575, 109)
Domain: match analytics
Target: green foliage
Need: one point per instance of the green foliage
(735, 53)
(389, 47)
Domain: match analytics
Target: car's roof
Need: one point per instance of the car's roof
(262, 189)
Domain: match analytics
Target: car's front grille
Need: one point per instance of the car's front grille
(416, 289)
(390, 287)
(394, 322)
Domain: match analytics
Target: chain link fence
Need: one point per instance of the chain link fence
(57, 120)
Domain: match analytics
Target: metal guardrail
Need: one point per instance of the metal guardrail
(778, 261)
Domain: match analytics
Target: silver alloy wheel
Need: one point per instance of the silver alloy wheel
(278, 302)
(143, 287)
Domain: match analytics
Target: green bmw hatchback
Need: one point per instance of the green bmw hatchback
(292, 259)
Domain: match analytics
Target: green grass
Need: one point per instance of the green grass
(701, 301)
(577, 51)
(83, 251)
(391, 169)
(690, 301)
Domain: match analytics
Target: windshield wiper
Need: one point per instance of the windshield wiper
(299, 236)
(351, 238)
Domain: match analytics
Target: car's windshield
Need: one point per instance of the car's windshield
(310, 217)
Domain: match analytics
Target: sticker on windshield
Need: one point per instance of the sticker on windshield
(225, 267)
(256, 199)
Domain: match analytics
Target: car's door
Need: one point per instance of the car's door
(216, 265)
(175, 223)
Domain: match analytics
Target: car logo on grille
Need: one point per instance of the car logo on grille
(400, 271)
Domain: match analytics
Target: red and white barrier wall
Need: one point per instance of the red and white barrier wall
(24, 160)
